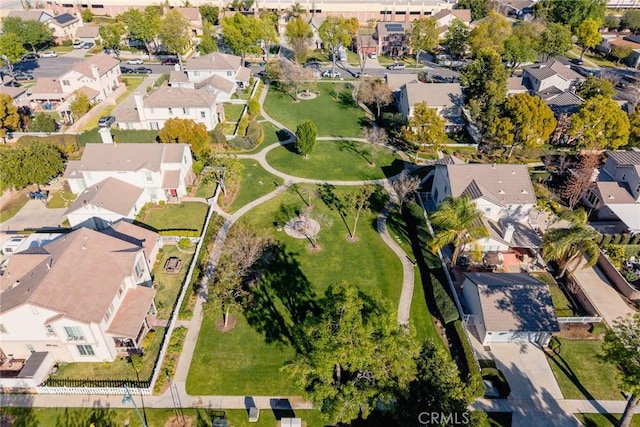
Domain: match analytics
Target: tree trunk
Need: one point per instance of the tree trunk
(226, 317)
(513, 146)
(418, 57)
(454, 256)
(629, 410)
(181, 66)
(148, 46)
(584, 49)
(355, 224)
(338, 373)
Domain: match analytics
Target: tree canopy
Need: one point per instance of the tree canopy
(532, 119)
(174, 33)
(186, 131)
(143, 26)
(491, 33)
(111, 35)
(375, 92)
(9, 117)
(523, 44)
(601, 124)
(588, 34)
(424, 36)
(555, 40)
(210, 13)
(32, 33)
(242, 34)
(35, 163)
(424, 128)
(306, 135)
(11, 50)
(571, 13)
(355, 355)
(335, 32)
(456, 39)
(299, 34)
(594, 86)
(479, 8)
(80, 105)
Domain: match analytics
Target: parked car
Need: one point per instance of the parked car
(48, 54)
(373, 55)
(315, 65)
(359, 75)
(396, 66)
(39, 195)
(332, 75)
(78, 44)
(170, 61)
(88, 45)
(106, 121)
(143, 70)
(22, 76)
(135, 61)
(126, 70)
(30, 57)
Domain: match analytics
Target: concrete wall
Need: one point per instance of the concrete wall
(614, 276)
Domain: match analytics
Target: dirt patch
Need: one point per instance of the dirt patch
(231, 324)
(179, 422)
(578, 331)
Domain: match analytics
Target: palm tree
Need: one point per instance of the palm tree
(567, 246)
(458, 221)
(296, 10)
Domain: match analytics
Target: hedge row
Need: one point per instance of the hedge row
(617, 239)
(474, 377)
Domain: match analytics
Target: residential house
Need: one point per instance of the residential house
(393, 38)
(520, 9)
(631, 40)
(515, 85)
(224, 65)
(85, 297)
(88, 33)
(97, 77)
(192, 14)
(446, 98)
(161, 171)
(560, 102)
(395, 82)
(615, 195)
(64, 26)
(542, 76)
(18, 94)
(509, 308)
(445, 17)
(31, 15)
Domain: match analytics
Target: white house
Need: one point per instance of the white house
(553, 73)
(85, 297)
(39, 15)
(64, 26)
(224, 65)
(616, 193)
(445, 98)
(509, 308)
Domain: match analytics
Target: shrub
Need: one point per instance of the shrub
(635, 239)
(616, 239)
(598, 239)
(197, 166)
(625, 239)
(163, 78)
(306, 134)
(242, 126)
(67, 143)
(217, 136)
(253, 107)
(474, 379)
(43, 122)
(445, 304)
(255, 133)
(184, 243)
(67, 42)
(606, 239)
(87, 15)
(241, 143)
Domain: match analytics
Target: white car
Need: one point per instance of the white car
(328, 73)
(135, 61)
(48, 54)
(373, 55)
(78, 44)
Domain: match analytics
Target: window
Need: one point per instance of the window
(196, 73)
(85, 350)
(66, 83)
(31, 348)
(139, 269)
(74, 333)
(185, 111)
(3, 330)
(487, 211)
(50, 329)
(121, 290)
(229, 73)
(170, 111)
(148, 177)
(155, 126)
(202, 115)
(109, 312)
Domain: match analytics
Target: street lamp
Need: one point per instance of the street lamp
(128, 398)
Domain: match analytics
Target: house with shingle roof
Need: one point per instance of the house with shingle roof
(84, 297)
(509, 308)
(64, 26)
(393, 38)
(445, 98)
(224, 65)
(538, 77)
(192, 14)
(31, 15)
(615, 194)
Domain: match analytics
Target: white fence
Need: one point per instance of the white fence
(584, 319)
(94, 390)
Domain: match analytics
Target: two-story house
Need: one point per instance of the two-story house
(392, 38)
(615, 195)
(84, 297)
(445, 98)
(554, 73)
(64, 26)
(224, 65)
(114, 181)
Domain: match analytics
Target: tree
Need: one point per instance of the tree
(523, 45)
(568, 246)
(601, 124)
(334, 33)
(242, 34)
(299, 35)
(111, 35)
(355, 355)
(186, 131)
(376, 136)
(424, 128)
(43, 122)
(631, 20)
(622, 347)
(456, 39)
(208, 42)
(375, 92)
(225, 169)
(9, 117)
(357, 202)
(458, 222)
(555, 40)
(423, 36)
(31, 33)
(79, 106)
(296, 10)
(594, 86)
(143, 25)
(570, 13)
(87, 15)
(634, 128)
(306, 134)
(491, 33)
(35, 163)
(174, 33)
(11, 50)
(580, 178)
(611, 22)
(621, 52)
(479, 8)
(290, 76)
(404, 186)
(210, 13)
(532, 119)
(588, 35)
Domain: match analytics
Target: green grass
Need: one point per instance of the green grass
(109, 417)
(498, 419)
(598, 60)
(62, 198)
(232, 112)
(255, 183)
(120, 136)
(168, 285)
(11, 208)
(119, 369)
(174, 217)
(333, 117)
(206, 188)
(581, 374)
(336, 160)
(242, 354)
(561, 303)
(132, 83)
(604, 420)
(272, 135)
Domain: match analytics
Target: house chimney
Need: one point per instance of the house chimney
(139, 106)
(95, 72)
(508, 233)
(105, 135)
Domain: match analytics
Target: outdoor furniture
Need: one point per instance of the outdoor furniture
(173, 265)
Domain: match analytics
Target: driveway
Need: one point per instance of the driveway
(34, 215)
(126, 111)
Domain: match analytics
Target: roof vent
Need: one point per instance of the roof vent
(84, 247)
(501, 192)
(513, 172)
(493, 166)
(610, 197)
(524, 191)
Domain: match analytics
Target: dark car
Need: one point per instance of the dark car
(106, 121)
(30, 57)
(142, 70)
(39, 195)
(88, 45)
(315, 65)
(23, 76)
(170, 61)
(126, 70)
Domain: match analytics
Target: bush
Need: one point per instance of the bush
(444, 302)
(67, 42)
(241, 143)
(163, 78)
(217, 136)
(197, 166)
(253, 107)
(616, 239)
(67, 144)
(306, 135)
(184, 243)
(474, 379)
(255, 133)
(43, 122)
(635, 239)
(598, 239)
(242, 126)
(606, 239)
(498, 380)
(626, 238)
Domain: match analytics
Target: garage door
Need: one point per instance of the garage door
(500, 337)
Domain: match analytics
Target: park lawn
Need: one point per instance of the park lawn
(272, 135)
(132, 84)
(206, 188)
(119, 369)
(581, 374)
(238, 362)
(232, 112)
(336, 160)
(255, 183)
(176, 217)
(110, 417)
(119, 136)
(13, 206)
(168, 285)
(62, 198)
(332, 117)
(605, 420)
(561, 303)
(598, 60)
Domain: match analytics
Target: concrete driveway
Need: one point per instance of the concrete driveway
(34, 215)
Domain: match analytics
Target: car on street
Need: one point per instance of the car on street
(135, 61)
(78, 44)
(48, 54)
(373, 55)
(142, 70)
(106, 121)
(170, 61)
(39, 195)
(332, 75)
(88, 45)
(315, 65)
(22, 76)
(396, 66)
(30, 57)
(363, 75)
(126, 70)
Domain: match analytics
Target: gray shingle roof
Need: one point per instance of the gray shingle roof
(625, 158)
(111, 195)
(545, 70)
(434, 94)
(124, 157)
(177, 97)
(214, 61)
